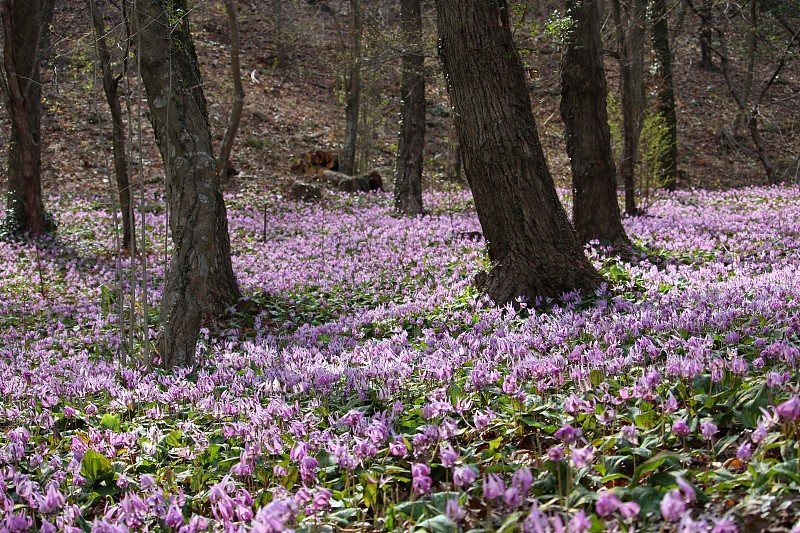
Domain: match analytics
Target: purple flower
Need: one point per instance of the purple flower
(299, 451)
(536, 521)
(629, 434)
(744, 452)
(308, 468)
(760, 433)
(147, 481)
(708, 430)
(47, 527)
(672, 506)
(421, 478)
(671, 405)
(483, 419)
(174, 517)
(556, 454)
(397, 447)
(493, 486)
(680, 428)
(272, 518)
(607, 503)
(512, 496)
(568, 434)
(690, 525)
(790, 409)
(322, 499)
(724, 525)
(629, 510)
(463, 475)
(447, 455)
(523, 479)
(454, 510)
(52, 501)
(686, 489)
(582, 457)
(579, 523)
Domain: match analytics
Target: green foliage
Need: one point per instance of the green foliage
(653, 147)
(557, 26)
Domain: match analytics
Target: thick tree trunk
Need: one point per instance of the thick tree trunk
(595, 211)
(533, 248)
(347, 160)
(26, 26)
(630, 22)
(411, 142)
(110, 87)
(668, 163)
(200, 283)
(224, 166)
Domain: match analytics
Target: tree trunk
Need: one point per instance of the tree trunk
(631, 34)
(110, 87)
(668, 163)
(742, 93)
(533, 249)
(280, 45)
(200, 283)
(595, 211)
(347, 161)
(26, 26)
(411, 142)
(224, 167)
(706, 53)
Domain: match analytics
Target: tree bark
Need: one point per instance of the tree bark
(668, 163)
(200, 283)
(110, 87)
(26, 26)
(347, 161)
(706, 33)
(743, 93)
(532, 247)
(411, 141)
(631, 34)
(595, 211)
(224, 166)
(278, 38)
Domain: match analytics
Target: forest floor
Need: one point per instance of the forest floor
(363, 383)
(296, 108)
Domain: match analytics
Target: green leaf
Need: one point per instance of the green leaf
(440, 499)
(596, 377)
(342, 516)
(414, 510)
(439, 524)
(95, 466)
(646, 420)
(788, 470)
(613, 477)
(110, 421)
(751, 409)
(370, 494)
(494, 444)
(653, 463)
(511, 522)
(175, 439)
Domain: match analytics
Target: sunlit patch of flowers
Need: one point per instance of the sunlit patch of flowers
(364, 384)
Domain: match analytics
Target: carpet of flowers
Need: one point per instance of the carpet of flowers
(364, 385)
